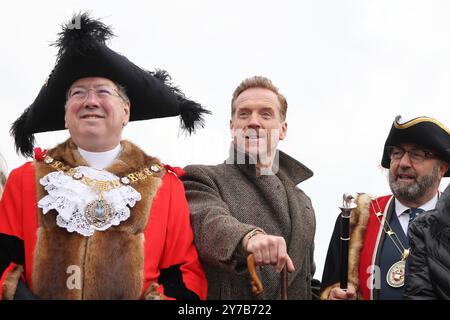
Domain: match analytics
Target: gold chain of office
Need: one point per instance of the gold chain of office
(99, 185)
(404, 252)
(395, 276)
(99, 212)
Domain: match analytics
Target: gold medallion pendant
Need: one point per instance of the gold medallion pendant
(396, 274)
(98, 212)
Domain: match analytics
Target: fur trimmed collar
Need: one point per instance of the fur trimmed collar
(116, 253)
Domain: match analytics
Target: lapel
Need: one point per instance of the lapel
(302, 225)
(389, 210)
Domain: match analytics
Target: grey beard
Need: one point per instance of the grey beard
(416, 190)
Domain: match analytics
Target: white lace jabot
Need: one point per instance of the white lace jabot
(69, 198)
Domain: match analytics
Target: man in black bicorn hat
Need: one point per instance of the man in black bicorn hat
(417, 154)
(111, 221)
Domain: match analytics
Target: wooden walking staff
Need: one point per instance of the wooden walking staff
(256, 284)
(347, 206)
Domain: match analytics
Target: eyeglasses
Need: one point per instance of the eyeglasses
(102, 93)
(415, 155)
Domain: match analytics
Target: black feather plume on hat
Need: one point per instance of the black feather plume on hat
(191, 112)
(81, 34)
(24, 140)
(192, 115)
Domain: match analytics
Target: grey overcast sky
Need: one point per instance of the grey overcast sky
(347, 69)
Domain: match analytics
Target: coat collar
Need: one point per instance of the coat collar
(443, 203)
(293, 169)
(130, 159)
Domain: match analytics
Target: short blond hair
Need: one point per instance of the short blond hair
(260, 82)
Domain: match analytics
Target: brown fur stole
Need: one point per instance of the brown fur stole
(109, 262)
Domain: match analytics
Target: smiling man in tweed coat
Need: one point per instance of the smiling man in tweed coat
(250, 203)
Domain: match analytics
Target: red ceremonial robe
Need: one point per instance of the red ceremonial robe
(150, 255)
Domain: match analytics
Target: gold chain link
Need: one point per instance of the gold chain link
(100, 185)
(404, 252)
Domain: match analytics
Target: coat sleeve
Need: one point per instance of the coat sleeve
(11, 236)
(218, 235)
(172, 259)
(418, 285)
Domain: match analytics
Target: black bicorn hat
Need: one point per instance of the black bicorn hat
(424, 131)
(82, 52)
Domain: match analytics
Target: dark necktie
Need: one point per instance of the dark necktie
(413, 213)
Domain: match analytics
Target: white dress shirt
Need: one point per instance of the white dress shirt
(403, 216)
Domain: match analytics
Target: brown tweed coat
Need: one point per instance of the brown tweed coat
(229, 200)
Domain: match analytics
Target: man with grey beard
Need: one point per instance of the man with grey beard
(417, 154)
